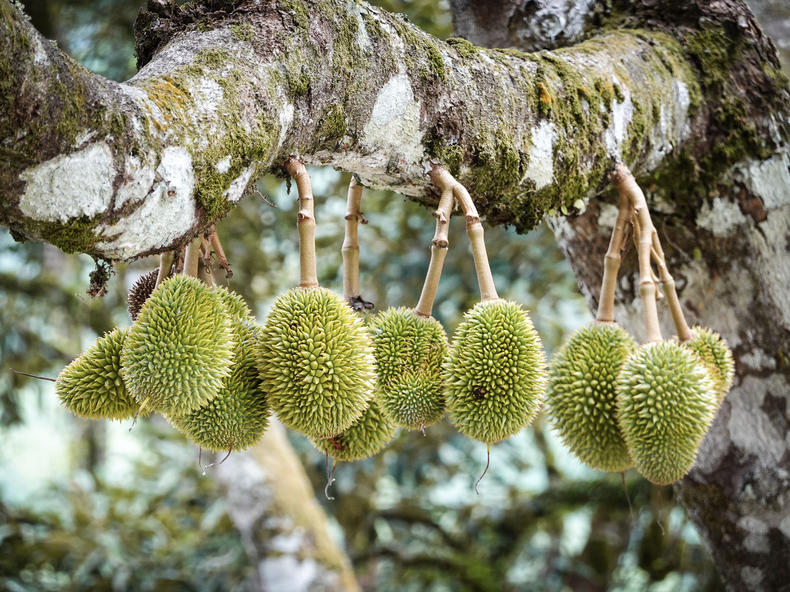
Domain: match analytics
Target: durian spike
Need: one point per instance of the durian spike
(626, 185)
(474, 230)
(165, 263)
(305, 222)
(439, 244)
(192, 257)
(611, 262)
(219, 251)
(350, 248)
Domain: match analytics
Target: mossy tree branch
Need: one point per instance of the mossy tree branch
(228, 90)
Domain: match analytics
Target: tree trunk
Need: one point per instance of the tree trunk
(728, 232)
(688, 94)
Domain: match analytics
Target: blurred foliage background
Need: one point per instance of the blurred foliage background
(89, 505)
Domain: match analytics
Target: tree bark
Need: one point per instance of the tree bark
(228, 90)
(728, 237)
(688, 94)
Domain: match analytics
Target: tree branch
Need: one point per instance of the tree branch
(233, 88)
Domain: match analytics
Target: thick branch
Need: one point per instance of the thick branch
(121, 170)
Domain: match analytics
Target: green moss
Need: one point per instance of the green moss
(298, 11)
(423, 54)
(242, 31)
(450, 155)
(714, 49)
(75, 236)
(333, 125)
(463, 47)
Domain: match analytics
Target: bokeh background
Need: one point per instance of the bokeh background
(91, 505)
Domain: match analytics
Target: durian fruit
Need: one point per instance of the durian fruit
(666, 402)
(366, 437)
(409, 351)
(139, 293)
(414, 401)
(234, 303)
(716, 356)
(581, 396)
(180, 349)
(91, 386)
(495, 374)
(237, 417)
(316, 362)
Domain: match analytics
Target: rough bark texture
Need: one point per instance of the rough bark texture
(687, 93)
(285, 531)
(228, 89)
(727, 231)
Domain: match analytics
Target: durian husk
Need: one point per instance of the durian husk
(409, 351)
(91, 386)
(714, 353)
(666, 401)
(139, 293)
(180, 349)
(316, 362)
(415, 401)
(367, 437)
(581, 398)
(495, 373)
(238, 415)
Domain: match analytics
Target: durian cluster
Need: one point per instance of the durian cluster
(189, 355)
(347, 380)
(617, 405)
(195, 354)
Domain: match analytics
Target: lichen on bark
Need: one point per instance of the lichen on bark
(241, 90)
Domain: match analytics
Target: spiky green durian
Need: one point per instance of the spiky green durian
(495, 375)
(581, 398)
(91, 386)
(237, 417)
(180, 348)
(139, 293)
(316, 362)
(367, 437)
(233, 302)
(415, 400)
(404, 341)
(409, 351)
(715, 354)
(665, 403)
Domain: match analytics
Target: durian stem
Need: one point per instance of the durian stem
(192, 257)
(626, 185)
(474, 230)
(439, 245)
(204, 269)
(219, 251)
(668, 286)
(350, 248)
(33, 375)
(204, 264)
(305, 222)
(165, 263)
(611, 263)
